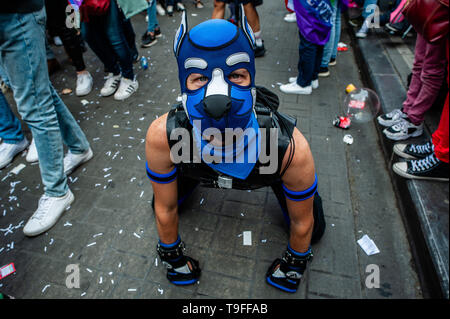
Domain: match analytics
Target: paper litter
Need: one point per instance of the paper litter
(368, 245)
(247, 238)
(16, 170)
(348, 139)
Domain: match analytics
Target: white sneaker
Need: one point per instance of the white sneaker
(314, 83)
(180, 7)
(126, 88)
(49, 211)
(160, 10)
(84, 83)
(9, 151)
(111, 84)
(392, 118)
(32, 155)
(403, 130)
(170, 10)
(294, 88)
(72, 161)
(290, 17)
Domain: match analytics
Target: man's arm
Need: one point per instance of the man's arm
(157, 153)
(300, 176)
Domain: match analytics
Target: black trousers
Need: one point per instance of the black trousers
(56, 24)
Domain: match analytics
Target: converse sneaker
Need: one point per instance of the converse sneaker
(84, 83)
(9, 151)
(72, 161)
(111, 84)
(428, 168)
(403, 130)
(32, 155)
(414, 151)
(49, 211)
(294, 88)
(157, 32)
(290, 17)
(314, 83)
(392, 117)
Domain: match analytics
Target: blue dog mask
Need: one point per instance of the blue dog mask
(214, 49)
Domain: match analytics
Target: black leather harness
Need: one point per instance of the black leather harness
(267, 116)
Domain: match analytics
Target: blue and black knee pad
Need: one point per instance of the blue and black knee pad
(181, 270)
(285, 273)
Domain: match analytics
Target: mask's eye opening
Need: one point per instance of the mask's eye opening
(240, 77)
(196, 81)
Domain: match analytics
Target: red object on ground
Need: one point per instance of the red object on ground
(440, 136)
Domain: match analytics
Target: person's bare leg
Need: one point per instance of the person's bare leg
(219, 10)
(253, 21)
(252, 17)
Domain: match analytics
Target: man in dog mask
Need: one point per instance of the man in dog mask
(185, 147)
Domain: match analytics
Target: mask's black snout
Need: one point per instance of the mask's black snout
(216, 106)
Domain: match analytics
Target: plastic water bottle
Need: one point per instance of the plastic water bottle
(144, 63)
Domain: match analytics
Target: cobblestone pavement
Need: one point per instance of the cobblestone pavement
(110, 233)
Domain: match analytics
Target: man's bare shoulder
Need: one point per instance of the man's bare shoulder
(156, 134)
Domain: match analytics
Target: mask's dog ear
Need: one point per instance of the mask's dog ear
(246, 27)
(180, 35)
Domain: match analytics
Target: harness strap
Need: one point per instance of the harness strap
(161, 178)
(303, 195)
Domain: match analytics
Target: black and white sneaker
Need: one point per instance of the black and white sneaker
(414, 151)
(126, 89)
(324, 72)
(111, 84)
(148, 40)
(260, 50)
(392, 117)
(428, 168)
(158, 33)
(403, 130)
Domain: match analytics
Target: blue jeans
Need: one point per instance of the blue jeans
(23, 58)
(368, 11)
(10, 128)
(152, 19)
(107, 37)
(330, 49)
(310, 57)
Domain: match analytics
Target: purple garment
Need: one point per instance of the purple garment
(314, 19)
